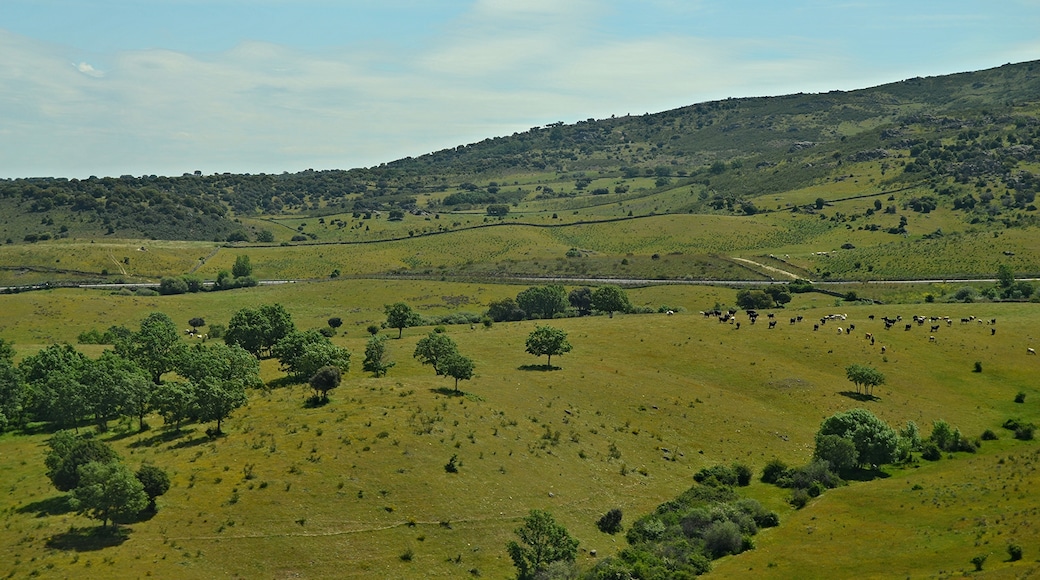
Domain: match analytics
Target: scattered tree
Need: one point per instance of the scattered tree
(610, 523)
(610, 299)
(323, 381)
(215, 399)
(68, 453)
(108, 490)
(258, 330)
(155, 482)
(863, 377)
(376, 358)
(505, 310)
(542, 542)
(401, 316)
(156, 347)
(196, 322)
(542, 301)
(580, 299)
(874, 440)
(548, 340)
(457, 367)
(433, 349)
(242, 267)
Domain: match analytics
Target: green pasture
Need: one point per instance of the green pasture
(344, 490)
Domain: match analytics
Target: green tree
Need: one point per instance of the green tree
(113, 385)
(215, 399)
(580, 299)
(326, 379)
(610, 299)
(68, 453)
(322, 354)
(838, 451)
(547, 340)
(1005, 276)
(433, 349)
(376, 359)
(196, 322)
(458, 367)
(175, 401)
(108, 491)
(290, 351)
(222, 362)
(506, 310)
(542, 301)
(875, 441)
(168, 286)
(753, 299)
(242, 267)
(863, 377)
(258, 330)
(265, 236)
(12, 393)
(155, 482)
(779, 294)
(157, 347)
(52, 378)
(498, 210)
(401, 316)
(542, 542)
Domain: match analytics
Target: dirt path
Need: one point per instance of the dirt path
(768, 268)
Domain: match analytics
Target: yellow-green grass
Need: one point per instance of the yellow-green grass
(865, 180)
(705, 391)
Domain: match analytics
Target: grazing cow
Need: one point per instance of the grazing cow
(992, 331)
(871, 317)
(883, 349)
(931, 339)
(841, 330)
(1030, 351)
(738, 326)
(852, 327)
(872, 341)
(793, 320)
(815, 327)
(992, 320)
(770, 315)
(935, 328)
(670, 312)
(772, 323)
(869, 336)
(799, 317)
(908, 327)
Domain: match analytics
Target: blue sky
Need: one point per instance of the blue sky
(111, 87)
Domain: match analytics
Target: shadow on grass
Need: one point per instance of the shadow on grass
(282, 382)
(448, 392)
(315, 402)
(88, 539)
(209, 437)
(52, 506)
(864, 475)
(164, 436)
(542, 368)
(862, 397)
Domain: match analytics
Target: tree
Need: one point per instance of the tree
(400, 316)
(258, 330)
(505, 310)
(335, 322)
(68, 453)
(1005, 276)
(498, 210)
(779, 294)
(542, 542)
(168, 286)
(215, 399)
(196, 322)
(548, 340)
(155, 482)
(220, 361)
(836, 450)
(457, 367)
(863, 376)
(326, 379)
(434, 348)
(242, 267)
(156, 347)
(113, 385)
(322, 354)
(265, 236)
(874, 440)
(753, 299)
(610, 299)
(12, 393)
(108, 491)
(376, 360)
(610, 523)
(542, 301)
(290, 350)
(175, 401)
(52, 378)
(580, 299)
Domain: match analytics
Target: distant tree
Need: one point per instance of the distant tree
(581, 300)
(547, 340)
(216, 399)
(54, 391)
(326, 379)
(542, 542)
(154, 481)
(779, 294)
(196, 322)
(168, 286)
(863, 377)
(401, 316)
(395, 215)
(753, 299)
(610, 523)
(457, 367)
(376, 359)
(265, 236)
(156, 347)
(68, 453)
(1005, 276)
(290, 350)
(335, 322)
(498, 210)
(222, 362)
(113, 385)
(610, 299)
(258, 330)
(820, 202)
(242, 267)
(322, 354)
(12, 392)
(875, 441)
(505, 310)
(108, 491)
(836, 450)
(542, 301)
(433, 349)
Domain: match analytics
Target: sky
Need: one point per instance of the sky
(165, 87)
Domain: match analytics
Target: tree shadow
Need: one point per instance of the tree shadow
(542, 368)
(448, 392)
(860, 474)
(88, 539)
(52, 506)
(207, 438)
(282, 382)
(164, 436)
(862, 397)
(315, 402)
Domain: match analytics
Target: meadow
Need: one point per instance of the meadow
(357, 488)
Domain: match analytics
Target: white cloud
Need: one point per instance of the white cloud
(89, 70)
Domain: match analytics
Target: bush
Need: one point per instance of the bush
(931, 451)
(773, 470)
(1020, 397)
(743, 473)
(989, 435)
(723, 538)
(978, 561)
(1025, 432)
(799, 498)
(1014, 552)
(610, 523)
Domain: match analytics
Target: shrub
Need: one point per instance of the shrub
(989, 435)
(610, 523)
(978, 561)
(931, 451)
(773, 471)
(799, 498)
(743, 473)
(723, 538)
(1014, 552)
(978, 367)
(1025, 432)
(1020, 397)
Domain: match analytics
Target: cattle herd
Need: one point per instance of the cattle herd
(934, 323)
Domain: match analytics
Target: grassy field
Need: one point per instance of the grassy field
(347, 489)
